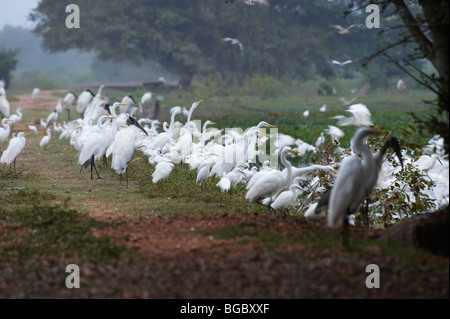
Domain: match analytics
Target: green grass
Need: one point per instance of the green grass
(50, 231)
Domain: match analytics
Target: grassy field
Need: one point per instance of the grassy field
(51, 214)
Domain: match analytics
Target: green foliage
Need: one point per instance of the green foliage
(283, 39)
(265, 87)
(8, 62)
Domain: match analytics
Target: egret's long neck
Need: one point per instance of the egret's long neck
(288, 166)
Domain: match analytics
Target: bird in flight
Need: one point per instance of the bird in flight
(234, 42)
(342, 30)
(341, 64)
(253, 2)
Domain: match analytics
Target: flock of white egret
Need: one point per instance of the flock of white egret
(106, 130)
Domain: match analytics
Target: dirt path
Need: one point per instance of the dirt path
(185, 256)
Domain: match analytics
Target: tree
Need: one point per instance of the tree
(8, 62)
(424, 26)
(282, 39)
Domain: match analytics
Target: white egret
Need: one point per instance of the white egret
(342, 30)
(323, 108)
(271, 184)
(286, 198)
(391, 142)
(162, 171)
(353, 182)
(5, 108)
(15, 147)
(401, 86)
(5, 130)
(341, 64)
(127, 103)
(360, 116)
(234, 42)
(52, 118)
(35, 93)
(46, 139)
(253, 2)
(59, 106)
(83, 100)
(306, 113)
(15, 118)
(33, 128)
(426, 162)
(123, 146)
(68, 102)
(347, 102)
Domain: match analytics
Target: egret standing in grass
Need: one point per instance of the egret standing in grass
(68, 101)
(15, 147)
(83, 100)
(15, 118)
(35, 93)
(354, 183)
(5, 130)
(122, 148)
(5, 108)
(46, 139)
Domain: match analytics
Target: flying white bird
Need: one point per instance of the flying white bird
(253, 2)
(234, 42)
(341, 64)
(342, 30)
(346, 102)
(360, 116)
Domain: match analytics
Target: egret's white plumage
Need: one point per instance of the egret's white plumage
(15, 118)
(354, 180)
(5, 130)
(15, 147)
(5, 108)
(162, 171)
(83, 101)
(35, 93)
(46, 139)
